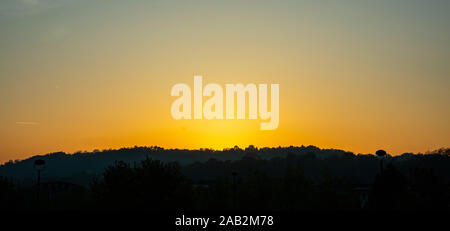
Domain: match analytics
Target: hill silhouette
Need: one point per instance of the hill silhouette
(283, 178)
(205, 164)
(62, 164)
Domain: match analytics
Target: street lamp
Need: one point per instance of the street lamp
(381, 154)
(39, 165)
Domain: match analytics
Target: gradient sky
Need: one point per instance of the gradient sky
(354, 75)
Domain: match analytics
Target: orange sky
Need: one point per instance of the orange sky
(353, 75)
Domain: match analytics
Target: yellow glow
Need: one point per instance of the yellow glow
(72, 79)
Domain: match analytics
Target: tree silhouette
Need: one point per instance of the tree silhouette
(390, 189)
(150, 185)
(289, 178)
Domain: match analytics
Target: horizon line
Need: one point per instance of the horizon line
(95, 150)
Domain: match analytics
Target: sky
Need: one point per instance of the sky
(354, 75)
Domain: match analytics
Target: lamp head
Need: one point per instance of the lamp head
(381, 153)
(39, 164)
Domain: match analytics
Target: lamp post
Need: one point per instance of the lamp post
(381, 154)
(39, 165)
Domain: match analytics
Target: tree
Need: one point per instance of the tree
(150, 185)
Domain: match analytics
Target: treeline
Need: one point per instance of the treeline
(294, 182)
(204, 164)
(358, 169)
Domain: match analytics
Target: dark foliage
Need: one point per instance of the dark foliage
(151, 185)
(304, 178)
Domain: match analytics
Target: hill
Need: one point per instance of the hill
(204, 164)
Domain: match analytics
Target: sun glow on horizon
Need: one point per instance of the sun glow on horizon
(85, 75)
